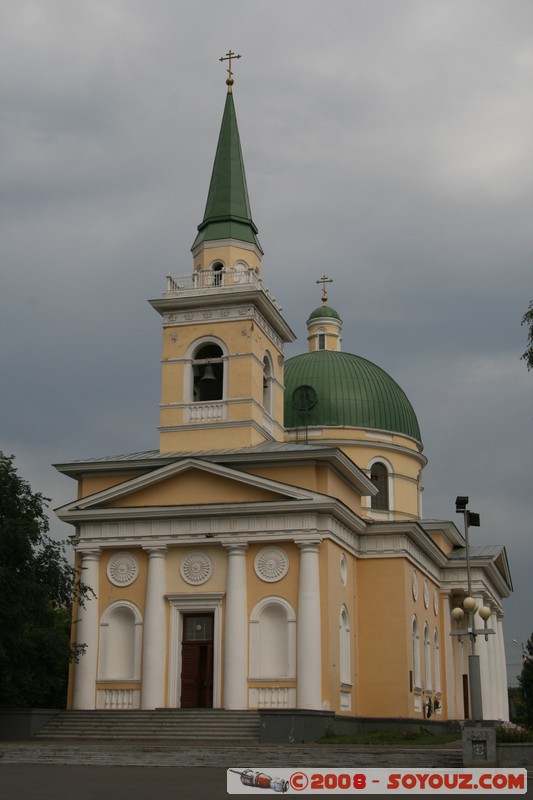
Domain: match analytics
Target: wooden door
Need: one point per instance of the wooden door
(197, 661)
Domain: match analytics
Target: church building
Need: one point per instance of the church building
(272, 552)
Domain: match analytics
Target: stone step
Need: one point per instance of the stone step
(175, 725)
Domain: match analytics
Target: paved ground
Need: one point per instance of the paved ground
(111, 771)
(126, 754)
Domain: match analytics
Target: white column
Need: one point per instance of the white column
(484, 666)
(155, 631)
(87, 634)
(309, 647)
(236, 630)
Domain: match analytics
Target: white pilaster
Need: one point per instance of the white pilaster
(309, 651)
(495, 667)
(236, 630)
(87, 634)
(154, 635)
(503, 670)
(448, 685)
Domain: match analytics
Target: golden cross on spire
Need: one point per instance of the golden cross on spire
(323, 280)
(229, 55)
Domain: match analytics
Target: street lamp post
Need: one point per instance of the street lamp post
(469, 610)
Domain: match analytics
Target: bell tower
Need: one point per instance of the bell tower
(223, 332)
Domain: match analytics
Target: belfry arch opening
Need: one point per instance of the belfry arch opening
(208, 373)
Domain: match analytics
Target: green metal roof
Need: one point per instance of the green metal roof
(345, 390)
(324, 311)
(227, 212)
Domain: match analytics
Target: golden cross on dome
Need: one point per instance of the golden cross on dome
(229, 55)
(323, 280)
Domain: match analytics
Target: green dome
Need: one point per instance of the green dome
(324, 311)
(343, 389)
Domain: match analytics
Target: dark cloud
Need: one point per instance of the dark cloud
(385, 143)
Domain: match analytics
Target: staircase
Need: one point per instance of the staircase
(173, 725)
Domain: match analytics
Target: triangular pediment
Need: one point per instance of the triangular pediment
(189, 482)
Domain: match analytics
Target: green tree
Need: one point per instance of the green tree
(527, 320)
(525, 681)
(37, 589)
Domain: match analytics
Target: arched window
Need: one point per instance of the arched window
(120, 642)
(208, 373)
(267, 384)
(436, 647)
(273, 640)
(427, 659)
(416, 653)
(321, 340)
(379, 475)
(344, 647)
(218, 273)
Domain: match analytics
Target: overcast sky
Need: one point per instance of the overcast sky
(386, 142)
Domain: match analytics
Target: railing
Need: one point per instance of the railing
(205, 412)
(273, 697)
(213, 279)
(120, 699)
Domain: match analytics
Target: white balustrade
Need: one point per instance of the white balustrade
(209, 279)
(119, 699)
(272, 697)
(205, 412)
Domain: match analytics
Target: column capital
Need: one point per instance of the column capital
(156, 551)
(235, 548)
(309, 545)
(90, 555)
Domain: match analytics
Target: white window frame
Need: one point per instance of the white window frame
(254, 638)
(382, 513)
(201, 603)
(104, 641)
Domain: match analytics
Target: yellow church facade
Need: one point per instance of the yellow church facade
(272, 553)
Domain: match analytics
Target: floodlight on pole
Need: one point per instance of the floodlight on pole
(470, 607)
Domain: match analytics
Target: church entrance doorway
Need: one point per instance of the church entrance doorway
(197, 661)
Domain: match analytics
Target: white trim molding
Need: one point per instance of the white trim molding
(103, 655)
(180, 604)
(255, 661)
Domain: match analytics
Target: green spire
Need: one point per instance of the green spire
(227, 212)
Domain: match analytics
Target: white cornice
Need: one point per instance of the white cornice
(219, 424)
(190, 302)
(321, 433)
(218, 243)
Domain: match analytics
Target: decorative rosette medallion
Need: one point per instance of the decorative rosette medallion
(271, 564)
(122, 569)
(196, 568)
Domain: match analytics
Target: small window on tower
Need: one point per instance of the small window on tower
(218, 273)
(379, 476)
(321, 340)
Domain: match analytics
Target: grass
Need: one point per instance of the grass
(419, 737)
